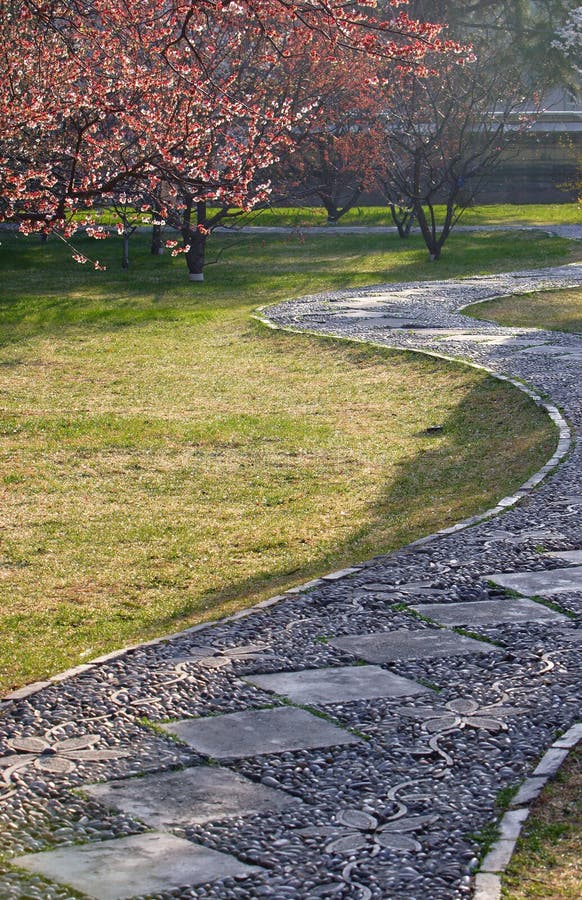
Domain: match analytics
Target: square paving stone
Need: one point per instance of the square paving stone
(569, 635)
(488, 612)
(537, 534)
(545, 349)
(572, 556)
(384, 647)
(338, 685)
(189, 797)
(387, 322)
(543, 584)
(259, 731)
(133, 866)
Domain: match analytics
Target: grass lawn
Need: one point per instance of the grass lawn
(164, 459)
(556, 310)
(546, 865)
(491, 214)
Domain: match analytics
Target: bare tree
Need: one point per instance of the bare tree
(446, 132)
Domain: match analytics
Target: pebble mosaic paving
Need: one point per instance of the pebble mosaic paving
(110, 785)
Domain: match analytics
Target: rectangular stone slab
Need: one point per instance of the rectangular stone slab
(189, 797)
(572, 556)
(259, 731)
(543, 584)
(133, 866)
(338, 685)
(386, 322)
(384, 647)
(369, 314)
(488, 612)
(546, 349)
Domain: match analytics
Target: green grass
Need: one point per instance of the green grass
(554, 310)
(164, 459)
(494, 214)
(491, 214)
(546, 864)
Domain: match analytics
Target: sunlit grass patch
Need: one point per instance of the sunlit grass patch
(555, 310)
(482, 214)
(546, 865)
(165, 459)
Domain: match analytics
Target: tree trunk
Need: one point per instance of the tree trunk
(156, 245)
(125, 253)
(196, 253)
(403, 218)
(195, 238)
(333, 213)
(428, 231)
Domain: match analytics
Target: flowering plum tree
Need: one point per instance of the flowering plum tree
(106, 95)
(332, 152)
(569, 39)
(101, 95)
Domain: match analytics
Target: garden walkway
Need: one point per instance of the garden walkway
(350, 738)
(573, 232)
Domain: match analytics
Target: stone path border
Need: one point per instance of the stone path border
(488, 879)
(464, 724)
(567, 231)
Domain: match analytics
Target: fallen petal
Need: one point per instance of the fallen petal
(15, 759)
(96, 755)
(486, 723)
(502, 711)
(410, 823)
(55, 764)
(245, 650)
(215, 662)
(80, 743)
(443, 723)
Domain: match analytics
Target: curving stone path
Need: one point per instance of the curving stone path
(349, 739)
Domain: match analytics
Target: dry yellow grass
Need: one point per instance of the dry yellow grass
(556, 310)
(548, 861)
(164, 460)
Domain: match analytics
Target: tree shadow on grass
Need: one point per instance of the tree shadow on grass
(44, 292)
(494, 439)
